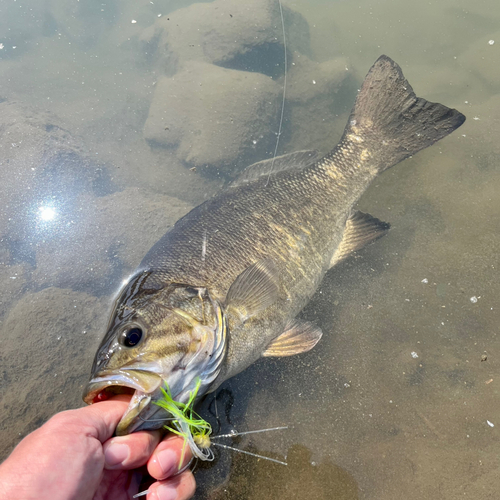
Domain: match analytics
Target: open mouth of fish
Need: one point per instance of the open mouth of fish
(124, 381)
(144, 386)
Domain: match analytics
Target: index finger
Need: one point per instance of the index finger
(171, 457)
(130, 451)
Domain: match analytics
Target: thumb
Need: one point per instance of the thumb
(98, 420)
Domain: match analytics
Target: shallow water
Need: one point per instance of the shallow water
(399, 398)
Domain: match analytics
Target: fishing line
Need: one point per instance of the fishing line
(225, 446)
(284, 92)
(217, 412)
(236, 433)
(156, 419)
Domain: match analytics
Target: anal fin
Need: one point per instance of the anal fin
(299, 336)
(360, 230)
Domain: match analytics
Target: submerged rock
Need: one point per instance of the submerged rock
(213, 115)
(228, 33)
(219, 103)
(108, 239)
(42, 165)
(49, 340)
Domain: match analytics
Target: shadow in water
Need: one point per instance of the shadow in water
(259, 479)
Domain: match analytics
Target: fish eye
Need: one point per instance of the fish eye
(131, 336)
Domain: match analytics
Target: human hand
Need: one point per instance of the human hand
(74, 457)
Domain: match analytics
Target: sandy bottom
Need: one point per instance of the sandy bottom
(399, 400)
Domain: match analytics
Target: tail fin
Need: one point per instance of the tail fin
(392, 121)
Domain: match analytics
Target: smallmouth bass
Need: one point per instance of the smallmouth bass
(224, 285)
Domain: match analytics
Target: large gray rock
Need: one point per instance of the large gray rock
(108, 239)
(48, 343)
(221, 120)
(41, 164)
(219, 104)
(214, 116)
(230, 33)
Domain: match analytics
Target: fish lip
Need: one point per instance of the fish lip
(139, 380)
(145, 385)
(144, 414)
(131, 419)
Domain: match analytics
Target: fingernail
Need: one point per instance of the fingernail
(116, 454)
(168, 461)
(166, 492)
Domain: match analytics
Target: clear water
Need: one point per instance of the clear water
(399, 400)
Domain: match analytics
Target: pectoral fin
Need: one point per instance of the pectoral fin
(360, 230)
(254, 290)
(299, 336)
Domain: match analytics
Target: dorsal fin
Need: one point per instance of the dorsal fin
(299, 159)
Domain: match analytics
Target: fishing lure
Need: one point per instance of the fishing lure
(185, 422)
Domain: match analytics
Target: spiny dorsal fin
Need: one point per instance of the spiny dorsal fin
(299, 159)
(299, 336)
(360, 229)
(255, 289)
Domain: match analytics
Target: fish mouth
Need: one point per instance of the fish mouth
(144, 387)
(107, 384)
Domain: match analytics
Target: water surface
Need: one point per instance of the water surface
(400, 398)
